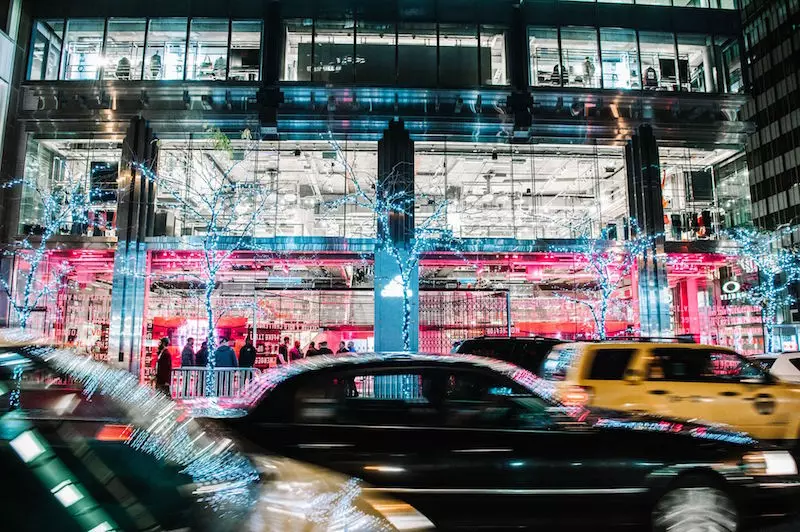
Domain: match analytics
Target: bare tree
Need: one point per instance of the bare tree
(223, 207)
(777, 267)
(60, 207)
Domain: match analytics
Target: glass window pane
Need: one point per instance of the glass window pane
(579, 56)
(616, 1)
(727, 4)
(493, 47)
(728, 65)
(166, 48)
(208, 49)
(46, 49)
(458, 55)
(333, 52)
(659, 70)
(84, 45)
(375, 53)
(620, 58)
(297, 54)
(694, 63)
(124, 49)
(245, 50)
(545, 64)
(690, 3)
(654, 2)
(416, 54)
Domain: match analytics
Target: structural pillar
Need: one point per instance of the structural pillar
(645, 205)
(395, 175)
(135, 219)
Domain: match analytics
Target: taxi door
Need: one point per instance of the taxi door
(678, 384)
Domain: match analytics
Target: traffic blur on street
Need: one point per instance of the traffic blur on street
(503, 433)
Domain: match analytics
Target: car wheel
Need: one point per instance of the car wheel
(694, 507)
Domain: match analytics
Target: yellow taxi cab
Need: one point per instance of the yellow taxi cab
(684, 381)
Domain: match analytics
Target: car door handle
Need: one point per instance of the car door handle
(729, 394)
(658, 392)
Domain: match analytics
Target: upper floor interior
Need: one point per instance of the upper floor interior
(638, 45)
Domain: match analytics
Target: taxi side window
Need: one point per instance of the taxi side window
(698, 365)
(610, 364)
(679, 365)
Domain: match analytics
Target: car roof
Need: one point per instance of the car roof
(515, 338)
(271, 378)
(656, 345)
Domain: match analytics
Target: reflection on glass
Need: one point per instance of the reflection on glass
(654, 2)
(458, 56)
(705, 192)
(620, 59)
(728, 65)
(83, 50)
(88, 166)
(416, 54)
(579, 56)
(208, 49)
(166, 48)
(545, 65)
(493, 39)
(245, 50)
(525, 192)
(297, 51)
(297, 185)
(46, 49)
(690, 3)
(124, 49)
(694, 63)
(334, 50)
(659, 68)
(375, 53)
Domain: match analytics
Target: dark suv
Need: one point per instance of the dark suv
(526, 352)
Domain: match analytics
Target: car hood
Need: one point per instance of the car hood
(608, 420)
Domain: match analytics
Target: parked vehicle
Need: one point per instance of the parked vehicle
(473, 442)
(525, 352)
(83, 448)
(785, 366)
(683, 381)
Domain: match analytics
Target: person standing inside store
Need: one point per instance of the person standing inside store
(324, 349)
(163, 366)
(187, 355)
(295, 353)
(247, 354)
(201, 357)
(312, 350)
(342, 348)
(283, 351)
(225, 356)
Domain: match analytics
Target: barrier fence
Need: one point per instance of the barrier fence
(190, 382)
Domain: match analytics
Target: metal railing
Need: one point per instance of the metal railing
(191, 381)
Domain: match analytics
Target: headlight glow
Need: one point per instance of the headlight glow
(769, 463)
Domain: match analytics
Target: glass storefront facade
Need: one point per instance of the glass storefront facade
(526, 134)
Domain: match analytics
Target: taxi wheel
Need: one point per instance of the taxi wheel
(695, 504)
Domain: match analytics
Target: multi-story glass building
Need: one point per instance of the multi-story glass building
(523, 128)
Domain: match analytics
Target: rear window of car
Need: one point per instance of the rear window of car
(610, 364)
(765, 363)
(557, 363)
(499, 348)
(795, 362)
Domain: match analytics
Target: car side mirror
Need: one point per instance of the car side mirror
(633, 376)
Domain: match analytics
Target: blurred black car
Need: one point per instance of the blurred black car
(84, 448)
(473, 442)
(525, 352)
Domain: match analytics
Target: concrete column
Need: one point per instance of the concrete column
(646, 209)
(396, 173)
(135, 218)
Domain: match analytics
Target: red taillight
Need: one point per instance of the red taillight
(577, 396)
(114, 433)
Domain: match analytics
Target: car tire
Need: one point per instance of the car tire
(695, 504)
